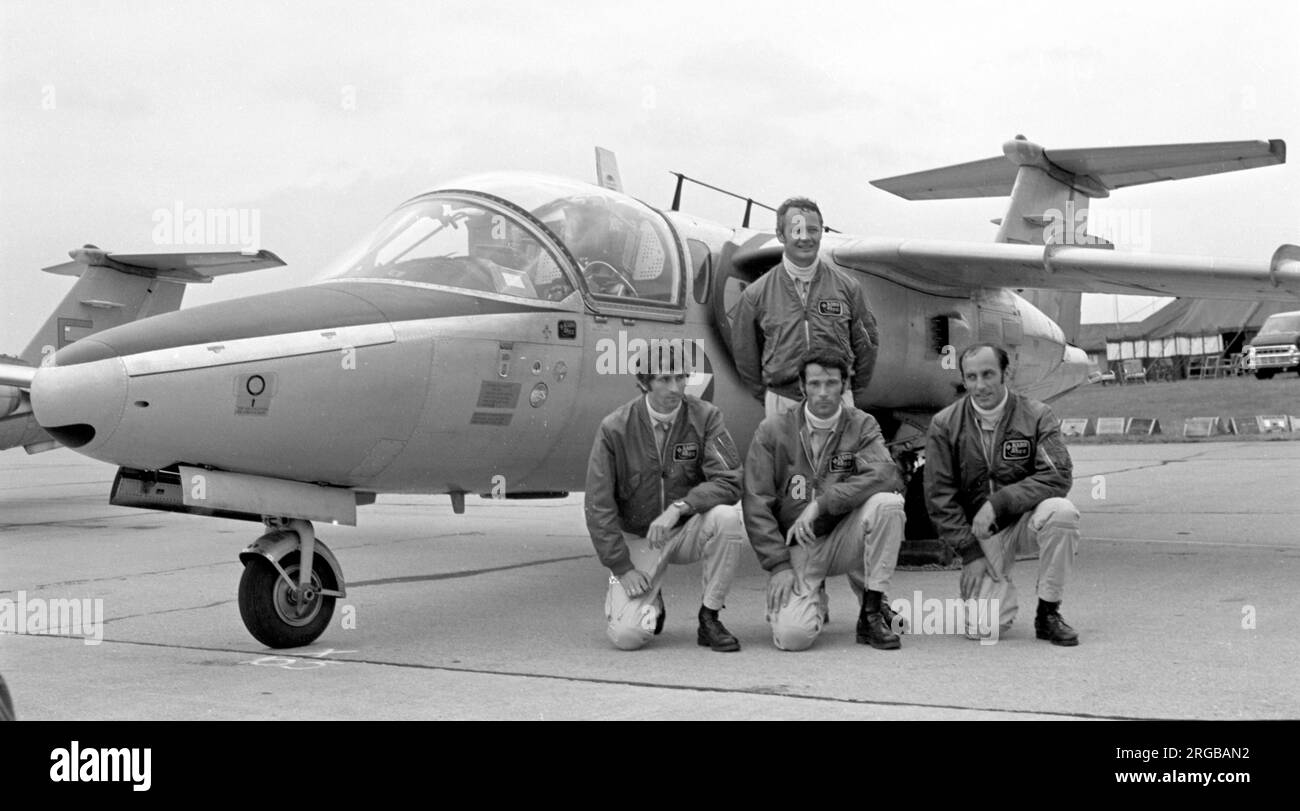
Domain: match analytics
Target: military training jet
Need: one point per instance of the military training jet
(473, 341)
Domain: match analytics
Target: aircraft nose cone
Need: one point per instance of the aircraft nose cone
(82, 403)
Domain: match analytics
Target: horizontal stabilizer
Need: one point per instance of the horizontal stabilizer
(185, 268)
(991, 177)
(1092, 171)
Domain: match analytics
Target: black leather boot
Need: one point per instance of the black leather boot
(873, 630)
(713, 634)
(1051, 626)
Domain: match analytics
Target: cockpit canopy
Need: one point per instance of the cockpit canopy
(499, 234)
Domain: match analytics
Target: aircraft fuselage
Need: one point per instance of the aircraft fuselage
(391, 385)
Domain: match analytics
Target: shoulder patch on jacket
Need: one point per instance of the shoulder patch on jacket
(725, 450)
(830, 307)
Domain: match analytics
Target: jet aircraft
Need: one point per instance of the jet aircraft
(472, 342)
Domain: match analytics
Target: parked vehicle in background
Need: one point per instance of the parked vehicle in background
(1133, 370)
(1277, 346)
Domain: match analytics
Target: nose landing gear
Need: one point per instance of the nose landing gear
(290, 583)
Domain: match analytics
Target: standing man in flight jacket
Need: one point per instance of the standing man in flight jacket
(798, 305)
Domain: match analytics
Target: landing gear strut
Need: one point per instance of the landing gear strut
(290, 583)
(920, 539)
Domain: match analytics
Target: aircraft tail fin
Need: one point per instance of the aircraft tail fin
(113, 289)
(1042, 204)
(1050, 191)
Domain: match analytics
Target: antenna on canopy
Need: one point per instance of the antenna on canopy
(749, 201)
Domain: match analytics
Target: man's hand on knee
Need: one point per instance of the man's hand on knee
(779, 587)
(801, 532)
(972, 574)
(634, 583)
(984, 520)
(662, 527)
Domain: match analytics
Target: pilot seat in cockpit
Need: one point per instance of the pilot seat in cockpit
(619, 252)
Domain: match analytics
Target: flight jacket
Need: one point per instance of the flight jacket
(781, 479)
(1030, 463)
(773, 330)
(629, 483)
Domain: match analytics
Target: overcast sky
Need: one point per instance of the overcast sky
(321, 117)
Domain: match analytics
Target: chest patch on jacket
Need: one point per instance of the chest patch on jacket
(686, 452)
(830, 307)
(1015, 450)
(842, 463)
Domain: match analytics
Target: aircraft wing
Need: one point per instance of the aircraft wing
(15, 374)
(967, 265)
(186, 268)
(17, 425)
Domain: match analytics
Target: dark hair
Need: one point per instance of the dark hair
(1004, 360)
(663, 356)
(826, 358)
(794, 202)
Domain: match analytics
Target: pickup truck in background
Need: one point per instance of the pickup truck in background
(1277, 346)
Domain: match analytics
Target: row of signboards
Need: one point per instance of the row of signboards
(1192, 426)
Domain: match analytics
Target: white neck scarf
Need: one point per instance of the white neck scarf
(659, 416)
(816, 423)
(989, 419)
(799, 274)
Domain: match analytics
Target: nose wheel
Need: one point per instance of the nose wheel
(280, 607)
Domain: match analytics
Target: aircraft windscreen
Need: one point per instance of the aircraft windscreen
(447, 240)
(624, 248)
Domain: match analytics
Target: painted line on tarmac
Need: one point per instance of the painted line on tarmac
(77, 523)
(417, 578)
(1161, 463)
(685, 688)
(1260, 546)
(125, 576)
(358, 584)
(167, 611)
(379, 582)
(1125, 510)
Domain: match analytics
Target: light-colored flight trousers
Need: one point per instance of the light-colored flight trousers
(777, 404)
(717, 536)
(1052, 527)
(864, 545)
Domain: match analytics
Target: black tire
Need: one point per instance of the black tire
(267, 608)
(6, 703)
(1265, 374)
